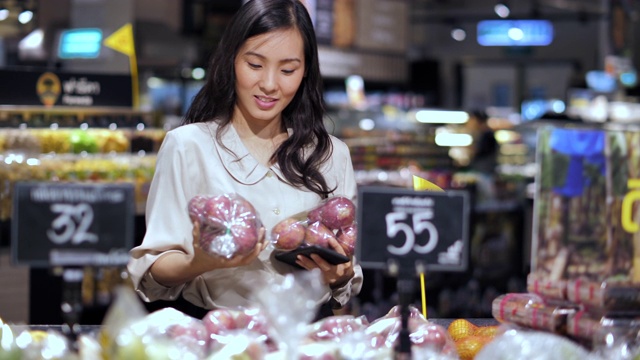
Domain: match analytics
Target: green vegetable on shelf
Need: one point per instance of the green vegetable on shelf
(81, 141)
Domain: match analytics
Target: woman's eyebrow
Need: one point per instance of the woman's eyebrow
(286, 60)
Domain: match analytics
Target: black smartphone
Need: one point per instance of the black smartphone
(329, 255)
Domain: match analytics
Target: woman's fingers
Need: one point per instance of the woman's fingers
(220, 262)
(335, 245)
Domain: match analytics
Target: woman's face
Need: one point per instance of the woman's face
(269, 69)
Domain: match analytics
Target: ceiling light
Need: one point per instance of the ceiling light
(367, 124)
(502, 9)
(25, 16)
(458, 34)
(515, 34)
(427, 116)
(452, 139)
(198, 73)
(4, 13)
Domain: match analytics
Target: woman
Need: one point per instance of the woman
(256, 129)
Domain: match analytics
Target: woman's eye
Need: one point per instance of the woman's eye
(254, 66)
(288, 72)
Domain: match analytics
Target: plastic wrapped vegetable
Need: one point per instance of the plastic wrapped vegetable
(336, 327)
(311, 231)
(229, 224)
(385, 332)
(225, 325)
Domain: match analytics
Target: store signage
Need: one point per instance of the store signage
(63, 224)
(48, 88)
(80, 44)
(413, 227)
(514, 32)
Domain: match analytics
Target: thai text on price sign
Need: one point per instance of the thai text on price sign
(412, 227)
(58, 224)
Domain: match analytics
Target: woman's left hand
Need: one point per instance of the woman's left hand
(333, 275)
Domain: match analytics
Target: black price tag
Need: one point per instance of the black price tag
(413, 227)
(63, 224)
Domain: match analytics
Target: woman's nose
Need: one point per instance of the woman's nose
(268, 82)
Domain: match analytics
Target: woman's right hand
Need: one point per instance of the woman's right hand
(177, 268)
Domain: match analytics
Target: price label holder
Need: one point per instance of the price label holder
(69, 226)
(62, 224)
(408, 232)
(408, 227)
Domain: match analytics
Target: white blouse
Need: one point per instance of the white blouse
(191, 162)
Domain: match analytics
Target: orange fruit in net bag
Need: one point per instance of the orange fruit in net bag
(461, 328)
(470, 346)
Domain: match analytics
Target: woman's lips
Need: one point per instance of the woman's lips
(265, 103)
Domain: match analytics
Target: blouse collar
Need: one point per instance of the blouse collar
(238, 162)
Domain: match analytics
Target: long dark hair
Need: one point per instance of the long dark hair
(216, 99)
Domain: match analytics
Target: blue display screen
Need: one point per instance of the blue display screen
(515, 32)
(601, 81)
(80, 43)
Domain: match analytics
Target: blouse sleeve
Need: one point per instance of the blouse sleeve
(168, 226)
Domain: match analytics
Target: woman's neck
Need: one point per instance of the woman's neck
(260, 138)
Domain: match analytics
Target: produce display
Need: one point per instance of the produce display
(128, 168)
(310, 231)
(586, 237)
(257, 333)
(76, 154)
(585, 280)
(238, 333)
(228, 224)
(76, 140)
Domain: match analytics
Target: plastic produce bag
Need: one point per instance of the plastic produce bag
(229, 224)
(20, 342)
(334, 328)
(130, 332)
(530, 310)
(310, 231)
(228, 326)
(532, 345)
(425, 335)
(289, 304)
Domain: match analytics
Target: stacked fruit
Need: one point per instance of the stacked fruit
(111, 141)
(53, 140)
(21, 140)
(334, 218)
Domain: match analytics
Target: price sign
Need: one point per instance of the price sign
(413, 227)
(61, 224)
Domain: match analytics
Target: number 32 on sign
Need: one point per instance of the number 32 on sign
(80, 219)
(413, 227)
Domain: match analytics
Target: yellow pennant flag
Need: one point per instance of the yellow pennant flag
(122, 40)
(424, 184)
